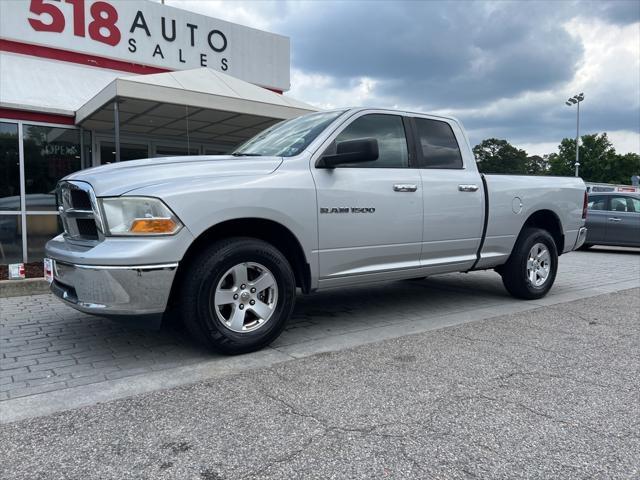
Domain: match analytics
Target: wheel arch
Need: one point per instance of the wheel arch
(547, 220)
(269, 231)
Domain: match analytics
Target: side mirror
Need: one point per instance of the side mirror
(351, 151)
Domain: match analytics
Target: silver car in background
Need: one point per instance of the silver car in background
(613, 219)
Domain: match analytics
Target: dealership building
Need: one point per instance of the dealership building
(85, 83)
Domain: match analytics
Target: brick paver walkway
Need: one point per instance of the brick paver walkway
(47, 346)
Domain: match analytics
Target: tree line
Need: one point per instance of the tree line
(599, 161)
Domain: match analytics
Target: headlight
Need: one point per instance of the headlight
(138, 216)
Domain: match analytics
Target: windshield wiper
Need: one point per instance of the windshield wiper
(242, 154)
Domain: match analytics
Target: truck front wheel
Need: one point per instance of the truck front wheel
(237, 295)
(531, 269)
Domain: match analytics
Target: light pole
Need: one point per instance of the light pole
(575, 100)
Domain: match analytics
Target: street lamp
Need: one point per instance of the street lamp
(575, 100)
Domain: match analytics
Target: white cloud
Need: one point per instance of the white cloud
(625, 141)
(609, 75)
(251, 14)
(541, 148)
(324, 92)
(610, 70)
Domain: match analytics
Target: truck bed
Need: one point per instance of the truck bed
(510, 201)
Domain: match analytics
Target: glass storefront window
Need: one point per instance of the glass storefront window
(128, 151)
(50, 153)
(168, 151)
(9, 167)
(41, 229)
(216, 151)
(10, 239)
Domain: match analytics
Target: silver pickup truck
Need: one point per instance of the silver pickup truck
(330, 199)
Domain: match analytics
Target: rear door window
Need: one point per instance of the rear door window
(437, 144)
(597, 202)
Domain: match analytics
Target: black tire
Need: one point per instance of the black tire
(207, 270)
(514, 272)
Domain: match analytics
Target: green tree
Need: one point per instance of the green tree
(623, 168)
(537, 165)
(560, 165)
(499, 156)
(599, 161)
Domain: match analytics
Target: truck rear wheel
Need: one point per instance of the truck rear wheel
(531, 269)
(238, 295)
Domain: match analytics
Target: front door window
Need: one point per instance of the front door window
(388, 130)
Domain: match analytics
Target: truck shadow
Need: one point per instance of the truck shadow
(433, 295)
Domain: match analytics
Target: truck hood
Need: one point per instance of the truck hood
(119, 178)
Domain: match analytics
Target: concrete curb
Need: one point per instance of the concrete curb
(19, 288)
(82, 396)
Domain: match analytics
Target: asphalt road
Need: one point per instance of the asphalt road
(548, 393)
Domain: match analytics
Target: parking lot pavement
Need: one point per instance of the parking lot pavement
(55, 358)
(547, 393)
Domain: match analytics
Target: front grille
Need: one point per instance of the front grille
(87, 228)
(77, 209)
(80, 200)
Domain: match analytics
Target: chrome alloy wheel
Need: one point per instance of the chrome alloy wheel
(538, 265)
(246, 297)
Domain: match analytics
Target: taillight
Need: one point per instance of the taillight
(584, 205)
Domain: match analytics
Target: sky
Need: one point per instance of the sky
(504, 68)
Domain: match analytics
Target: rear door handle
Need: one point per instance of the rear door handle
(615, 219)
(468, 188)
(405, 187)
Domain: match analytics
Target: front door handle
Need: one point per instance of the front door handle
(468, 188)
(405, 187)
(615, 219)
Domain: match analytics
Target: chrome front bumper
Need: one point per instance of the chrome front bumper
(582, 236)
(114, 290)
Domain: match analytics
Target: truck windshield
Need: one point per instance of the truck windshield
(288, 138)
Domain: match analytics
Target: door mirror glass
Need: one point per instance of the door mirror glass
(351, 151)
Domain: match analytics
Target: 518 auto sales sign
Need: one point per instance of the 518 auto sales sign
(149, 33)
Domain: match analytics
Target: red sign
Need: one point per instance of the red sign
(103, 16)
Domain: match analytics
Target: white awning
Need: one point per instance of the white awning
(48, 86)
(205, 102)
